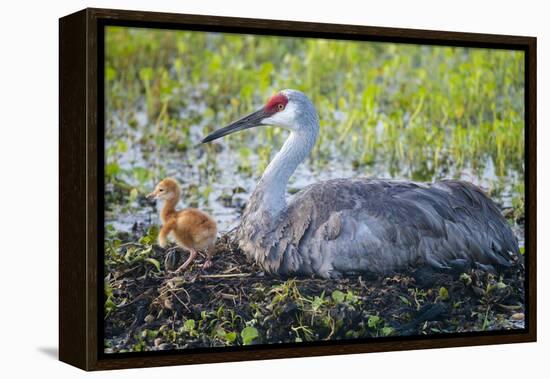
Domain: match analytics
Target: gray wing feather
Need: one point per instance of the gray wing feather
(344, 225)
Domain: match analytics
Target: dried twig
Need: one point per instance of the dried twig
(237, 275)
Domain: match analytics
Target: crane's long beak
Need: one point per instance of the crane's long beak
(247, 122)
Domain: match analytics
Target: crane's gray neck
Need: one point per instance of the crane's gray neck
(271, 189)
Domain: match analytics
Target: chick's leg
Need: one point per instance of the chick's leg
(193, 254)
(208, 262)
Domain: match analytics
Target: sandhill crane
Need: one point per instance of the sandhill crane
(341, 226)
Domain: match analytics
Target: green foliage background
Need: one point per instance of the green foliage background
(422, 112)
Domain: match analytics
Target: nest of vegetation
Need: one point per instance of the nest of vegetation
(235, 303)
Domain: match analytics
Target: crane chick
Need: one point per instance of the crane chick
(192, 229)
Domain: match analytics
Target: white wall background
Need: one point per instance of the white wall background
(28, 191)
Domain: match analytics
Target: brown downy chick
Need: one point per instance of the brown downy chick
(191, 228)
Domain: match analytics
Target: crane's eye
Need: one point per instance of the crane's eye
(161, 189)
(280, 107)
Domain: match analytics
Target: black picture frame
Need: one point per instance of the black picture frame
(81, 185)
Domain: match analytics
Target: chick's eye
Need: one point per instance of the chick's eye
(160, 190)
(280, 106)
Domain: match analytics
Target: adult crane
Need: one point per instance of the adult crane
(340, 226)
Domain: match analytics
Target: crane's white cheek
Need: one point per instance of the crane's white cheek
(268, 121)
(284, 119)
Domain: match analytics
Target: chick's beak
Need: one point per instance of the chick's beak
(152, 196)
